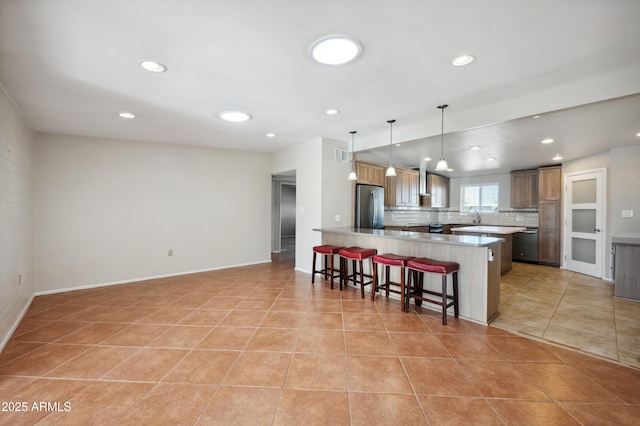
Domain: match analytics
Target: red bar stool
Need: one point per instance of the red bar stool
(327, 252)
(416, 290)
(389, 260)
(356, 255)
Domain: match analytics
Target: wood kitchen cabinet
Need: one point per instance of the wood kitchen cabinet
(402, 189)
(438, 189)
(549, 215)
(370, 174)
(524, 189)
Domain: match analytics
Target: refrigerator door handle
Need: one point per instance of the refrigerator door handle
(375, 208)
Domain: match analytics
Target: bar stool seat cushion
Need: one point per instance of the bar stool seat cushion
(391, 259)
(357, 253)
(326, 249)
(425, 264)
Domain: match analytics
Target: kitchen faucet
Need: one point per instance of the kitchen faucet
(476, 217)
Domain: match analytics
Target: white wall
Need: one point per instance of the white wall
(337, 191)
(16, 217)
(625, 181)
(109, 210)
(305, 159)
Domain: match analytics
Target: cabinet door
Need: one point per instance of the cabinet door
(549, 222)
(524, 189)
(414, 188)
(549, 183)
(438, 187)
(390, 190)
(370, 174)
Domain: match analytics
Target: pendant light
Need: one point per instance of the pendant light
(442, 165)
(352, 174)
(391, 171)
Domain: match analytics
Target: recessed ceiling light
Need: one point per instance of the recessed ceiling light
(638, 135)
(449, 170)
(474, 148)
(234, 116)
(398, 144)
(558, 157)
(331, 111)
(153, 66)
(463, 60)
(127, 115)
(547, 141)
(490, 159)
(270, 135)
(536, 116)
(427, 158)
(335, 49)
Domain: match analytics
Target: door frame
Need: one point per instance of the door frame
(566, 208)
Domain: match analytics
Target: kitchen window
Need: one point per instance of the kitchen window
(479, 198)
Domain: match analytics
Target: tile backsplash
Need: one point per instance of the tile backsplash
(399, 217)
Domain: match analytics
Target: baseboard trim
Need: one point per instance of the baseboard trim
(16, 323)
(133, 280)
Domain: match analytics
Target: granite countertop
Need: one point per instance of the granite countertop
(630, 238)
(460, 240)
(486, 229)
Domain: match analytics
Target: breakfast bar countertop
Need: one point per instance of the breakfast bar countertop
(461, 240)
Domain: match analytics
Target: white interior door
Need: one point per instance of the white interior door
(584, 223)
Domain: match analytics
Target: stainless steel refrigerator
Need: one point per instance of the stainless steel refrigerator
(369, 207)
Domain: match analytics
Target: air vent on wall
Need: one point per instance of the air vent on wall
(341, 155)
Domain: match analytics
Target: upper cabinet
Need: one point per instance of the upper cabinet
(524, 189)
(370, 174)
(549, 183)
(402, 189)
(438, 189)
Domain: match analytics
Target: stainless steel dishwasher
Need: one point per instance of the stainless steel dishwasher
(525, 246)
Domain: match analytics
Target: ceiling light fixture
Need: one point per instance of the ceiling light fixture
(352, 174)
(474, 148)
(332, 111)
(463, 60)
(558, 157)
(270, 135)
(547, 141)
(126, 115)
(442, 165)
(638, 135)
(536, 116)
(391, 171)
(335, 49)
(153, 66)
(490, 159)
(427, 158)
(234, 116)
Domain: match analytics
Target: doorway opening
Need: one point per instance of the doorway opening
(283, 222)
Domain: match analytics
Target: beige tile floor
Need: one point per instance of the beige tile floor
(261, 345)
(571, 309)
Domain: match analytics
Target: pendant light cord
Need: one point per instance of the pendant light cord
(353, 132)
(391, 140)
(442, 107)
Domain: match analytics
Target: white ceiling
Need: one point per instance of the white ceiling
(72, 65)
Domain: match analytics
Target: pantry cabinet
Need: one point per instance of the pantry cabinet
(549, 215)
(438, 189)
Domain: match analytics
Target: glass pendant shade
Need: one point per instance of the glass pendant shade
(391, 171)
(442, 165)
(352, 176)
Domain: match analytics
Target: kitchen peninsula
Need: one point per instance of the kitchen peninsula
(478, 257)
(504, 232)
